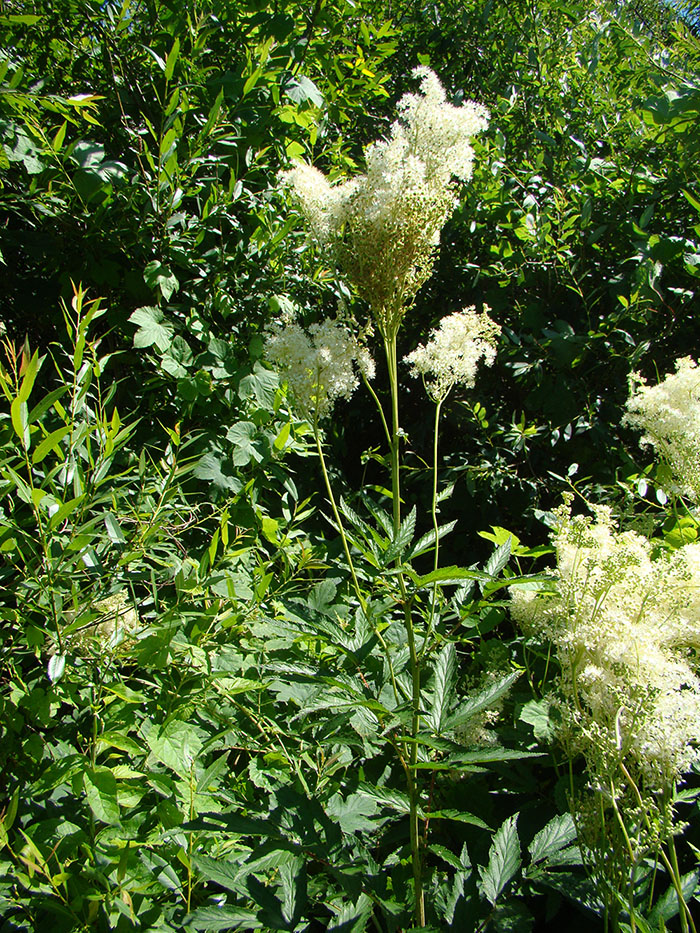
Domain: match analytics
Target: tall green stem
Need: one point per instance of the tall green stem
(338, 522)
(412, 772)
(350, 562)
(392, 365)
(436, 553)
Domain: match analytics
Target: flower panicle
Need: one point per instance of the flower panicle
(668, 414)
(625, 623)
(382, 227)
(453, 351)
(320, 364)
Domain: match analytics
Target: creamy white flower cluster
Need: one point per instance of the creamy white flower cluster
(384, 226)
(116, 626)
(319, 365)
(669, 416)
(625, 623)
(453, 350)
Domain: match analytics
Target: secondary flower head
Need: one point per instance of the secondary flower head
(319, 364)
(383, 226)
(625, 624)
(454, 349)
(669, 416)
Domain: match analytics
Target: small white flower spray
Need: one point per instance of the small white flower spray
(668, 414)
(449, 358)
(320, 366)
(625, 625)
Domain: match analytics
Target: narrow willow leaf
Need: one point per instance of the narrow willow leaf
(504, 860)
(482, 701)
(557, 834)
(172, 59)
(50, 442)
(46, 403)
(114, 532)
(20, 421)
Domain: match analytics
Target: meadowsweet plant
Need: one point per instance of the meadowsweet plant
(624, 621)
(382, 228)
(668, 414)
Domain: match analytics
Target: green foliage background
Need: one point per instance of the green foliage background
(223, 771)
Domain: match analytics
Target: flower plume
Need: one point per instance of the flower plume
(383, 226)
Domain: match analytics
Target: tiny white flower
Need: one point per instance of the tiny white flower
(622, 621)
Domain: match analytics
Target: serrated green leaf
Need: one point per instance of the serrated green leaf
(447, 575)
(402, 539)
(352, 917)
(557, 834)
(499, 558)
(666, 908)
(227, 874)
(504, 860)
(222, 917)
(393, 799)
(444, 674)
(481, 701)
(176, 745)
(427, 541)
(457, 816)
